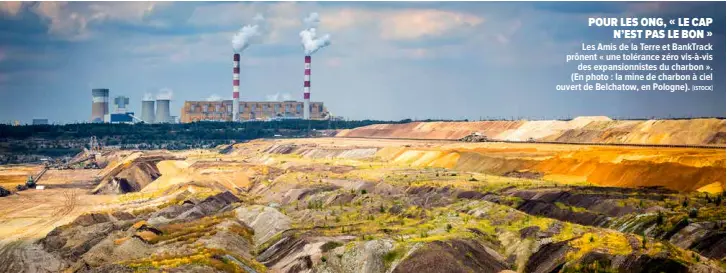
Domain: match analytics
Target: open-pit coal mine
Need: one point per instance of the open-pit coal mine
(537, 196)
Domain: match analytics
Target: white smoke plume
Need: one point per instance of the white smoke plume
(249, 34)
(312, 43)
(214, 97)
(312, 20)
(278, 97)
(165, 94)
(148, 97)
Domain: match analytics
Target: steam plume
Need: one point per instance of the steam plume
(312, 20)
(312, 43)
(249, 34)
(165, 94)
(148, 97)
(278, 97)
(214, 97)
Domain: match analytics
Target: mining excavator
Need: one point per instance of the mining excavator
(30, 182)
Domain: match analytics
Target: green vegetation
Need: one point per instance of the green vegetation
(394, 255)
(196, 130)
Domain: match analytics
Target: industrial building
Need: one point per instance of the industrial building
(120, 103)
(268, 110)
(147, 111)
(120, 114)
(162, 112)
(100, 106)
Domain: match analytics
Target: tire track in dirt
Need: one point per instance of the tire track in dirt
(12, 253)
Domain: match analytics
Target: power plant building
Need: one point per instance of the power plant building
(147, 111)
(268, 110)
(100, 106)
(162, 112)
(120, 103)
(126, 117)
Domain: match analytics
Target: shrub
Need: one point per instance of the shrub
(449, 227)
(330, 246)
(659, 218)
(693, 213)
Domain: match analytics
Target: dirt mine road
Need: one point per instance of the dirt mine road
(29, 215)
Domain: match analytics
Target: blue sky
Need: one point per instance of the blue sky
(449, 60)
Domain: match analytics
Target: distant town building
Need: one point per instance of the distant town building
(40, 121)
(249, 110)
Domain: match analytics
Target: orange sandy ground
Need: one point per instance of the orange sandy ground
(579, 130)
(682, 169)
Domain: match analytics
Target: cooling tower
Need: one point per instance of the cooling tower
(162, 113)
(147, 111)
(306, 89)
(236, 87)
(100, 106)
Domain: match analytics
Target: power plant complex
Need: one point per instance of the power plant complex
(265, 110)
(235, 110)
(158, 111)
(151, 111)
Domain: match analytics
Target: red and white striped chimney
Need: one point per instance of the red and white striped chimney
(306, 89)
(236, 87)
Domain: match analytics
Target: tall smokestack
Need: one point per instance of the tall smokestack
(306, 89)
(236, 87)
(100, 106)
(147, 111)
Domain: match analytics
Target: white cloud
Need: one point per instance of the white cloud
(122, 11)
(11, 8)
(71, 20)
(62, 21)
(413, 24)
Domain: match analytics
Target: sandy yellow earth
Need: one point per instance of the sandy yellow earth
(194, 175)
(11, 176)
(682, 169)
(32, 213)
(709, 132)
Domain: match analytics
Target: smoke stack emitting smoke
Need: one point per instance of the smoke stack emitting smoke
(311, 44)
(249, 34)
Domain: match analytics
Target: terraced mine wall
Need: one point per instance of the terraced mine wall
(680, 169)
(581, 130)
